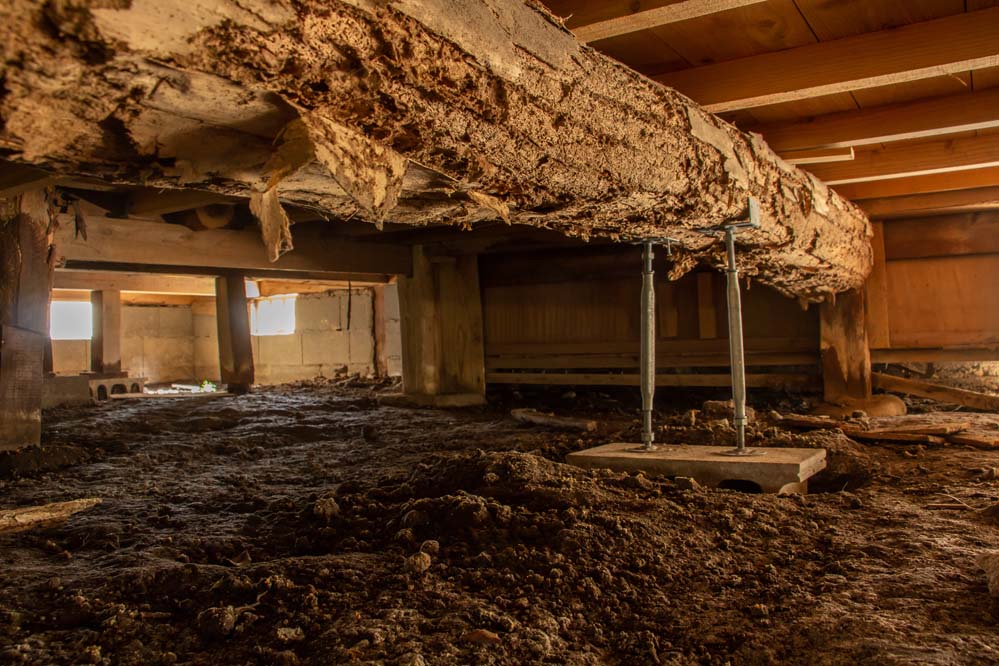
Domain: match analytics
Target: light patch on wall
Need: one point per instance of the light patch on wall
(71, 320)
(274, 315)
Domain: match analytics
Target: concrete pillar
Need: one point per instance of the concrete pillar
(235, 343)
(25, 289)
(441, 321)
(105, 344)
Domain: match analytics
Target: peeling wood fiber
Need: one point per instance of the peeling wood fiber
(419, 111)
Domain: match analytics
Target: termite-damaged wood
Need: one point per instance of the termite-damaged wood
(15, 520)
(416, 111)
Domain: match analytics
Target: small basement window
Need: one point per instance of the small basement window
(71, 320)
(273, 315)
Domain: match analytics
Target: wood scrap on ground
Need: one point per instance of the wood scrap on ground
(947, 394)
(16, 520)
(535, 417)
(938, 429)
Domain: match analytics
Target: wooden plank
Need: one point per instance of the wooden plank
(888, 436)
(915, 159)
(876, 294)
(679, 347)
(910, 53)
(982, 198)
(950, 114)
(21, 354)
(707, 313)
(944, 302)
(22, 518)
(235, 344)
(624, 361)
(147, 283)
(944, 236)
(668, 325)
(419, 322)
(846, 358)
(105, 343)
(270, 287)
(937, 182)
(378, 330)
(137, 242)
(656, 17)
(817, 155)
(944, 394)
(770, 380)
(935, 355)
(459, 302)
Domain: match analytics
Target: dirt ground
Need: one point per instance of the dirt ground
(309, 525)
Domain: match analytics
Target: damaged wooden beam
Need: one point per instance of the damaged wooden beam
(413, 112)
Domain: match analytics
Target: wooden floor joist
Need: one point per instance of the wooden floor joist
(483, 111)
(948, 45)
(655, 17)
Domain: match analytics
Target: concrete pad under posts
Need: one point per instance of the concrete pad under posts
(774, 470)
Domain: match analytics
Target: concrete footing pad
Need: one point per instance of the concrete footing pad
(772, 471)
(424, 401)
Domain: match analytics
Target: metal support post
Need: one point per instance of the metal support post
(648, 341)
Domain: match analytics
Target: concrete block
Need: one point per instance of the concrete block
(139, 320)
(175, 322)
(206, 353)
(131, 353)
(69, 390)
(391, 302)
(205, 326)
(325, 348)
(772, 470)
(362, 309)
(362, 369)
(317, 312)
(279, 374)
(280, 349)
(394, 366)
(362, 347)
(70, 357)
(167, 359)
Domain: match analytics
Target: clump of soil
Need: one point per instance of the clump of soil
(311, 526)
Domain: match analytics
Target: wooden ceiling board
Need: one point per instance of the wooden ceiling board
(803, 108)
(738, 33)
(936, 86)
(844, 18)
(985, 78)
(644, 52)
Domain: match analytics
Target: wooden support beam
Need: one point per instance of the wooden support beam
(846, 357)
(944, 46)
(943, 236)
(774, 380)
(441, 323)
(912, 159)
(934, 355)
(379, 331)
(16, 179)
(105, 343)
(883, 124)
(653, 18)
(946, 394)
(153, 202)
(140, 242)
(937, 182)
(25, 287)
(146, 283)
(235, 344)
(934, 203)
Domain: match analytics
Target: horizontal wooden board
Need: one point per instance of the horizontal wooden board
(624, 361)
(942, 236)
(774, 380)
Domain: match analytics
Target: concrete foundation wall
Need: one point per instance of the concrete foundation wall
(393, 332)
(157, 342)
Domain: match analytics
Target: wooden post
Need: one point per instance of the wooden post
(105, 344)
(25, 288)
(441, 320)
(707, 313)
(846, 357)
(378, 330)
(235, 344)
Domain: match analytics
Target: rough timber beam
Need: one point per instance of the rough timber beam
(482, 110)
(919, 51)
(188, 285)
(141, 243)
(912, 159)
(896, 122)
(653, 18)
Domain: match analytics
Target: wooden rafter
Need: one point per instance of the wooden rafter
(982, 198)
(901, 160)
(895, 122)
(658, 16)
(919, 51)
(818, 156)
